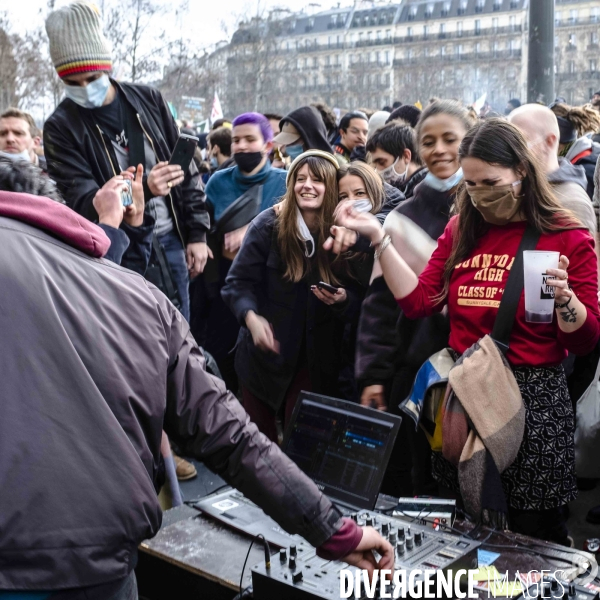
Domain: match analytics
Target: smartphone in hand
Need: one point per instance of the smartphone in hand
(184, 151)
(325, 286)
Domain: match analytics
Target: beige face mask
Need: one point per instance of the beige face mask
(498, 205)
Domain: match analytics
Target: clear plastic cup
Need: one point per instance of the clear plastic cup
(539, 297)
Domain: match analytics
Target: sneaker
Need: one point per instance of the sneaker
(184, 469)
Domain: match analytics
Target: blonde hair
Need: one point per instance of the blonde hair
(584, 118)
(291, 248)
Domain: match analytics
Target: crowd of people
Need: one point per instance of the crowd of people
(306, 252)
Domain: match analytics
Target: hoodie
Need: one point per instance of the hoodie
(585, 152)
(569, 184)
(309, 123)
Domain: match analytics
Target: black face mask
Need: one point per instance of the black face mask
(247, 161)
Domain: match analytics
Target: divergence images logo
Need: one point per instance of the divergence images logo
(547, 291)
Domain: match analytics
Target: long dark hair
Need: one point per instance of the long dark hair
(292, 250)
(498, 142)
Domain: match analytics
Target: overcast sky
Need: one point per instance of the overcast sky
(203, 23)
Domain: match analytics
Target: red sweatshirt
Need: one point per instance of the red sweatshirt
(477, 285)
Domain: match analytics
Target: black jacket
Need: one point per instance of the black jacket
(300, 321)
(387, 340)
(79, 158)
(309, 123)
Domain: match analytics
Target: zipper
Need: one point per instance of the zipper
(169, 194)
(106, 149)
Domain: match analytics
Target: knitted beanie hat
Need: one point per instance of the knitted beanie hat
(77, 44)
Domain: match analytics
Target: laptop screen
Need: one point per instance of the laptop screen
(342, 446)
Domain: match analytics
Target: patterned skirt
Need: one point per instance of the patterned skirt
(543, 474)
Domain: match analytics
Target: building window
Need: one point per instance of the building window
(595, 14)
(497, 5)
(572, 41)
(477, 27)
(477, 47)
(462, 7)
(571, 66)
(369, 36)
(387, 57)
(429, 11)
(412, 13)
(594, 38)
(442, 30)
(409, 33)
(388, 34)
(315, 63)
(379, 35)
(495, 24)
(495, 48)
(479, 6)
(593, 65)
(446, 9)
(557, 17)
(573, 15)
(512, 20)
(458, 50)
(459, 29)
(425, 31)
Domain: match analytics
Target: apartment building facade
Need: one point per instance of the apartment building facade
(373, 53)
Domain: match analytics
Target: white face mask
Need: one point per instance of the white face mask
(390, 173)
(90, 96)
(24, 155)
(364, 205)
(304, 234)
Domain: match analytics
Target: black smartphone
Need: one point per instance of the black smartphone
(184, 151)
(325, 286)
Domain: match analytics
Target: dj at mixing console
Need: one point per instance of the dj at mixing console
(299, 574)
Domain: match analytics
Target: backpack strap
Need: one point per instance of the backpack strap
(512, 292)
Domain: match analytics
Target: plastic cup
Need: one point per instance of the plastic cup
(539, 297)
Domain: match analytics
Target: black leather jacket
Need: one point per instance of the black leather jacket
(79, 158)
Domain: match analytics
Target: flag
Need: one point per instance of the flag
(216, 112)
(478, 104)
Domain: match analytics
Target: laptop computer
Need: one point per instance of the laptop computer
(342, 446)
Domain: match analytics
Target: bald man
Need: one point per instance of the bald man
(540, 128)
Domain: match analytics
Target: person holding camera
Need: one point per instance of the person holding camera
(102, 128)
(291, 296)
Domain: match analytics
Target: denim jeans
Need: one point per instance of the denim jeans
(176, 257)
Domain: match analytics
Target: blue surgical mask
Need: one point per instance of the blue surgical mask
(90, 96)
(443, 185)
(214, 163)
(294, 151)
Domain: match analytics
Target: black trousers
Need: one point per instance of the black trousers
(409, 470)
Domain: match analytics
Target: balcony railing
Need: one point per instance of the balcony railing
(464, 56)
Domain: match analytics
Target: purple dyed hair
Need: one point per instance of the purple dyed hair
(252, 118)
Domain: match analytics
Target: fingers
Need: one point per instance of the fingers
(209, 252)
(323, 295)
(328, 245)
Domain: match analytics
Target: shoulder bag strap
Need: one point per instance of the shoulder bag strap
(512, 292)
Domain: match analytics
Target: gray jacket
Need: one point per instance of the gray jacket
(89, 353)
(569, 186)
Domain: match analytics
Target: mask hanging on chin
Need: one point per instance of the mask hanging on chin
(498, 205)
(247, 161)
(90, 96)
(304, 234)
(24, 155)
(443, 185)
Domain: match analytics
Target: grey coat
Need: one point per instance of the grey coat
(93, 361)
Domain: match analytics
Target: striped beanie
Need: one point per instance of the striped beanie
(77, 44)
